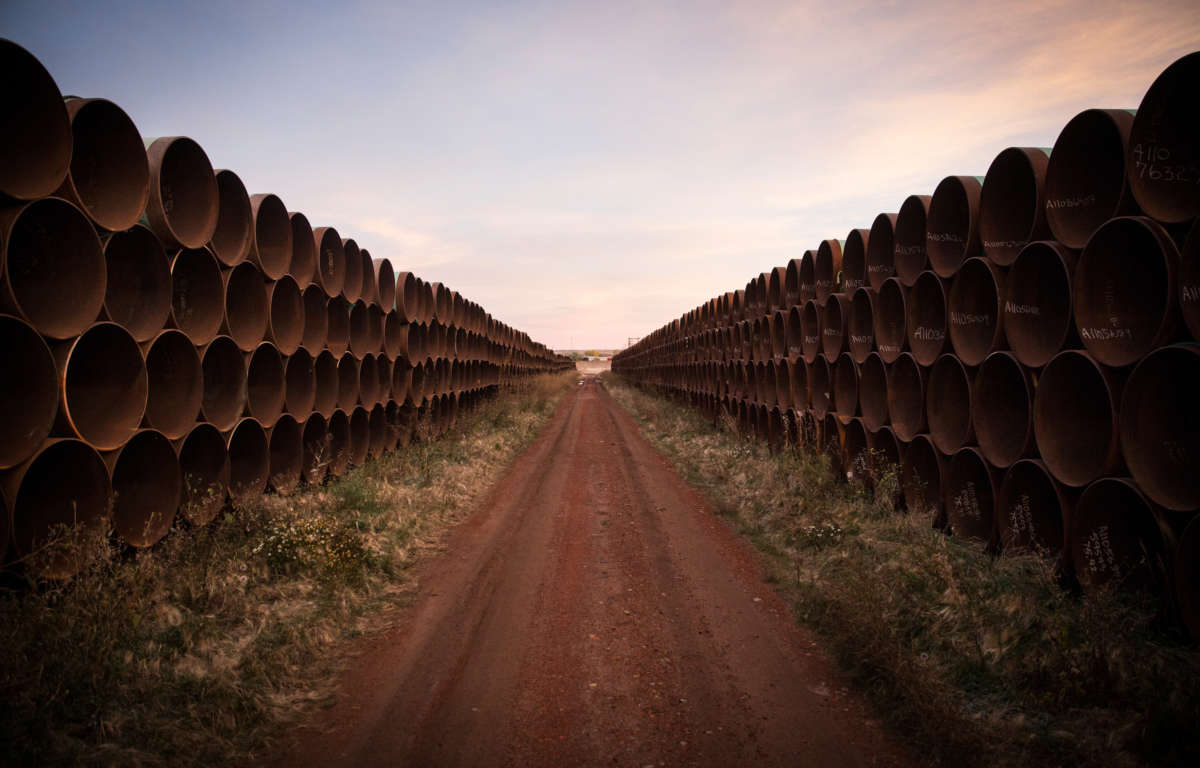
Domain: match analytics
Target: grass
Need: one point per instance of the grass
(204, 648)
(970, 658)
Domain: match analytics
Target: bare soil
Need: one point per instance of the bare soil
(593, 611)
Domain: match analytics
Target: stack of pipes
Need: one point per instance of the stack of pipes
(1019, 347)
(171, 342)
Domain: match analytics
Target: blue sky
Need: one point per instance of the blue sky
(587, 171)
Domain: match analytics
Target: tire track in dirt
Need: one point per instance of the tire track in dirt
(593, 611)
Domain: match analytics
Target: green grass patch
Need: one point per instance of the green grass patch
(973, 659)
(202, 649)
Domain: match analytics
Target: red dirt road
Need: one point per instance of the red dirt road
(593, 611)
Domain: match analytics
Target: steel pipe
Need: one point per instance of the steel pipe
(234, 235)
(247, 309)
(325, 383)
(888, 318)
(827, 267)
(197, 295)
(1163, 154)
(845, 387)
(970, 486)
(264, 384)
(339, 443)
(368, 381)
(806, 277)
(102, 386)
(1075, 419)
(952, 225)
(380, 436)
(976, 309)
(204, 474)
(184, 202)
(64, 483)
(360, 332)
(352, 259)
(35, 151)
(316, 318)
(1003, 409)
(1038, 316)
(886, 454)
(285, 317)
(249, 461)
(856, 451)
(1032, 510)
(175, 384)
(348, 381)
(28, 391)
(881, 250)
(1114, 537)
(304, 250)
(835, 321)
(1012, 204)
(408, 298)
(910, 255)
(1085, 180)
(330, 269)
(385, 281)
(948, 404)
(337, 334)
(224, 370)
(1160, 426)
(925, 322)
(146, 482)
(285, 446)
(271, 246)
(370, 286)
(1125, 290)
(315, 449)
(360, 436)
(873, 392)
(861, 324)
(819, 376)
(52, 271)
(137, 293)
(300, 383)
(109, 177)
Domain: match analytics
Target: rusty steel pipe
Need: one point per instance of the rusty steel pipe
(360, 436)
(925, 322)
(845, 387)
(860, 326)
(368, 381)
(881, 250)
(271, 244)
(827, 267)
(426, 301)
(798, 381)
(348, 381)
(418, 342)
(921, 478)
(285, 316)
(1012, 204)
(249, 461)
(1003, 409)
(137, 294)
(109, 176)
(264, 384)
(1085, 180)
(224, 370)
(197, 295)
(304, 250)
(338, 459)
(325, 383)
(360, 332)
(403, 418)
(395, 335)
(315, 448)
(330, 269)
(791, 289)
(28, 391)
(175, 384)
(337, 333)
(819, 379)
(1032, 510)
(408, 298)
(285, 448)
(976, 309)
(910, 255)
(1160, 426)
(299, 383)
(854, 260)
(1163, 153)
(184, 202)
(234, 235)
(35, 151)
(783, 384)
(352, 285)
(247, 309)
(970, 486)
(889, 320)
(416, 387)
(886, 454)
(1075, 419)
(316, 318)
(146, 483)
(370, 286)
(856, 452)
(1125, 290)
(102, 386)
(204, 474)
(778, 333)
(1038, 316)
(948, 404)
(835, 321)
(806, 277)
(379, 434)
(952, 224)
(52, 271)
(385, 367)
(832, 443)
(1114, 537)
(385, 282)
(873, 392)
(64, 483)
(775, 289)
(401, 386)
(795, 333)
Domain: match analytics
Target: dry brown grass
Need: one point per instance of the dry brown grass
(975, 660)
(202, 649)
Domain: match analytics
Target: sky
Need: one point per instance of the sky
(587, 171)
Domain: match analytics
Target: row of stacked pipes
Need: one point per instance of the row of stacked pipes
(170, 343)
(1019, 349)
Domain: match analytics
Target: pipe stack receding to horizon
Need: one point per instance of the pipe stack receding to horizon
(160, 368)
(1020, 349)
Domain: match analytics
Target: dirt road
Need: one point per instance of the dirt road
(593, 611)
